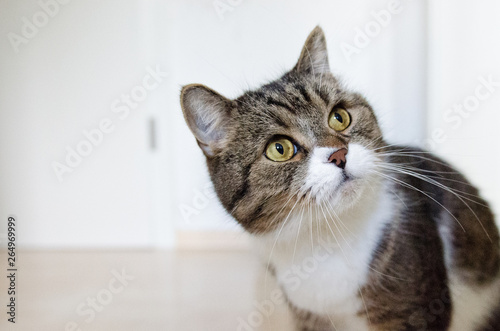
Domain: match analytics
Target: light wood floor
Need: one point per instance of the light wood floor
(184, 290)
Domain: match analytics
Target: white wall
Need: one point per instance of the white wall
(65, 79)
(465, 46)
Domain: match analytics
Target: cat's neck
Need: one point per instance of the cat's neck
(308, 228)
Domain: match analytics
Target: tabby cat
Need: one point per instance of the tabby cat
(302, 165)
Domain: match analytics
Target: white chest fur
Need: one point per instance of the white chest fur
(321, 259)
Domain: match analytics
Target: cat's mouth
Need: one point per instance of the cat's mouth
(346, 184)
(346, 177)
(345, 187)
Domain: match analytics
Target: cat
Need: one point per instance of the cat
(302, 165)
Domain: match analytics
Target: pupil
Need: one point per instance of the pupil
(280, 148)
(339, 118)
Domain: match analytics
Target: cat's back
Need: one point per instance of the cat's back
(454, 237)
(436, 194)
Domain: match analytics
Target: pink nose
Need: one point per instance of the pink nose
(338, 158)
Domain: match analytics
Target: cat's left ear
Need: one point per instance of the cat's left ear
(314, 56)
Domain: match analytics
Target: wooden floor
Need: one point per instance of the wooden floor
(142, 290)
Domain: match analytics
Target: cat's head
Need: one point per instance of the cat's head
(298, 140)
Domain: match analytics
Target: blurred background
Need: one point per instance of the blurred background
(101, 172)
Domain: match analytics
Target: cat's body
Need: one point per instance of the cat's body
(360, 235)
(391, 257)
(322, 266)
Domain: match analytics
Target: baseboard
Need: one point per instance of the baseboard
(212, 240)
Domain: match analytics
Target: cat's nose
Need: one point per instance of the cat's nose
(338, 158)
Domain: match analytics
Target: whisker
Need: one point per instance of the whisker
(331, 322)
(418, 190)
(364, 304)
(338, 229)
(430, 180)
(452, 191)
(423, 158)
(334, 236)
(277, 237)
(298, 233)
(341, 223)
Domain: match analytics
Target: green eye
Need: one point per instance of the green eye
(339, 119)
(280, 150)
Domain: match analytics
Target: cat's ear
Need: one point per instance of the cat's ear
(314, 56)
(207, 114)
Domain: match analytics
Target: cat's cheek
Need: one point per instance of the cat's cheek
(360, 161)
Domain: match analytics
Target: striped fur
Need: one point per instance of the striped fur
(426, 260)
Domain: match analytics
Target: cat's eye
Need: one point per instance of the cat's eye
(339, 119)
(280, 150)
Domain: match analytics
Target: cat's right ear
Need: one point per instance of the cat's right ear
(207, 114)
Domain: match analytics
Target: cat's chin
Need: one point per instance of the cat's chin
(346, 194)
(350, 193)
